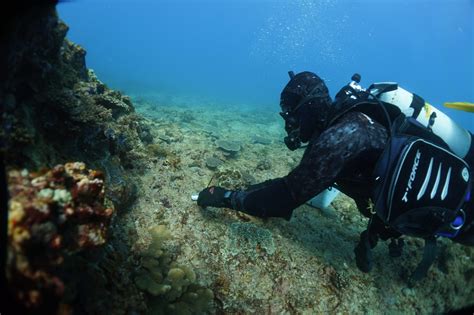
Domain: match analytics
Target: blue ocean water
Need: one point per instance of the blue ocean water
(239, 51)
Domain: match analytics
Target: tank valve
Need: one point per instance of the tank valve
(356, 77)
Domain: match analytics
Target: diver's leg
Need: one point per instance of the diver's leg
(363, 250)
(363, 253)
(429, 255)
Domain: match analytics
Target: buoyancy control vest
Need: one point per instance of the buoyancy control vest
(421, 188)
(421, 180)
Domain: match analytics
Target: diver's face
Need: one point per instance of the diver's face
(300, 125)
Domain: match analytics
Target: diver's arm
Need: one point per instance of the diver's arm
(272, 199)
(327, 156)
(322, 162)
(349, 144)
(319, 168)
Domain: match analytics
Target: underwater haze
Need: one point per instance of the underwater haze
(239, 51)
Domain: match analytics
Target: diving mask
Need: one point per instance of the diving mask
(292, 141)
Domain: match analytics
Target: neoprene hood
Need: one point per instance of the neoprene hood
(306, 108)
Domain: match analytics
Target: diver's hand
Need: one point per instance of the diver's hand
(214, 197)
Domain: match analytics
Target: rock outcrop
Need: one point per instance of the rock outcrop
(55, 110)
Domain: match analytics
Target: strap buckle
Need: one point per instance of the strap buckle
(452, 229)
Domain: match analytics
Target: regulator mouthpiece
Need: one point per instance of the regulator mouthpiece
(292, 142)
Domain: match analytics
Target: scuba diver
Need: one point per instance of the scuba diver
(406, 165)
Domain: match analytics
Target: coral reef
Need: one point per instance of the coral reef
(233, 179)
(213, 162)
(54, 214)
(260, 140)
(157, 150)
(231, 148)
(57, 108)
(172, 288)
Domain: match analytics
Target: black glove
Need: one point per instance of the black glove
(214, 197)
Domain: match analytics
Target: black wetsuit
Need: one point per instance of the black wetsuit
(345, 154)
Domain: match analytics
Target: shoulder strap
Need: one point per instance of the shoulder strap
(368, 104)
(410, 126)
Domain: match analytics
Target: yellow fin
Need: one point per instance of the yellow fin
(465, 106)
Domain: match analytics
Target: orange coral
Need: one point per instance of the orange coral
(52, 214)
